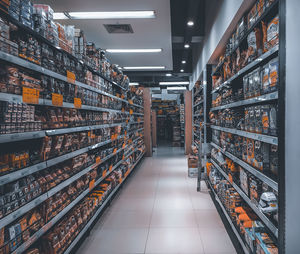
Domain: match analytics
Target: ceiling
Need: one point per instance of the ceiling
(168, 31)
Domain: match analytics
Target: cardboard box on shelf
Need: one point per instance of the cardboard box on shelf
(192, 161)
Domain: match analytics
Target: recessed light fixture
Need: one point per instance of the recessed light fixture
(176, 88)
(133, 50)
(183, 61)
(186, 46)
(181, 70)
(106, 15)
(190, 23)
(133, 84)
(144, 67)
(174, 83)
(168, 74)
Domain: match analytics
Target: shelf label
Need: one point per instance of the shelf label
(92, 184)
(130, 102)
(57, 99)
(77, 102)
(71, 77)
(98, 159)
(30, 95)
(130, 111)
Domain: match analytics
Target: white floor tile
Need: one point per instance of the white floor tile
(174, 240)
(173, 218)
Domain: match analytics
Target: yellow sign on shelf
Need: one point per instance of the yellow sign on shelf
(57, 99)
(77, 102)
(30, 95)
(71, 77)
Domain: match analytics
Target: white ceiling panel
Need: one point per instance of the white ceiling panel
(147, 33)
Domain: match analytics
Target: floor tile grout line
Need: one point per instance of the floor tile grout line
(149, 226)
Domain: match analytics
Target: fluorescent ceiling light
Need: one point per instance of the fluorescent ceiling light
(190, 23)
(59, 15)
(176, 88)
(144, 67)
(133, 84)
(181, 70)
(174, 83)
(183, 61)
(133, 50)
(107, 15)
(168, 74)
(186, 46)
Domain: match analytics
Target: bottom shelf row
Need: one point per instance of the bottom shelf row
(63, 232)
(248, 229)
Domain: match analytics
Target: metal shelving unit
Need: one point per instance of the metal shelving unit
(273, 184)
(52, 222)
(90, 222)
(37, 68)
(4, 138)
(244, 37)
(241, 241)
(44, 102)
(247, 68)
(260, 137)
(24, 209)
(264, 219)
(259, 99)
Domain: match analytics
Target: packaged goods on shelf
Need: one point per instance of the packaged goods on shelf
(260, 39)
(244, 220)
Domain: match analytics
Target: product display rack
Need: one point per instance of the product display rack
(266, 221)
(200, 108)
(240, 240)
(131, 116)
(223, 132)
(77, 239)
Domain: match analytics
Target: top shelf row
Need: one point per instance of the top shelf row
(49, 48)
(252, 20)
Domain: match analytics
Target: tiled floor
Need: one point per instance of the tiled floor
(160, 211)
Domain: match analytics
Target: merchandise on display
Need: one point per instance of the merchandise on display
(72, 131)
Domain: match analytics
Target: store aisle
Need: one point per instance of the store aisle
(160, 211)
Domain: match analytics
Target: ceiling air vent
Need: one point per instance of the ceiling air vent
(118, 28)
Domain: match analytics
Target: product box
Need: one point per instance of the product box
(244, 181)
(255, 189)
(261, 159)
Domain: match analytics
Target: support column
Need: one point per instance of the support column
(289, 173)
(188, 121)
(154, 130)
(147, 121)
